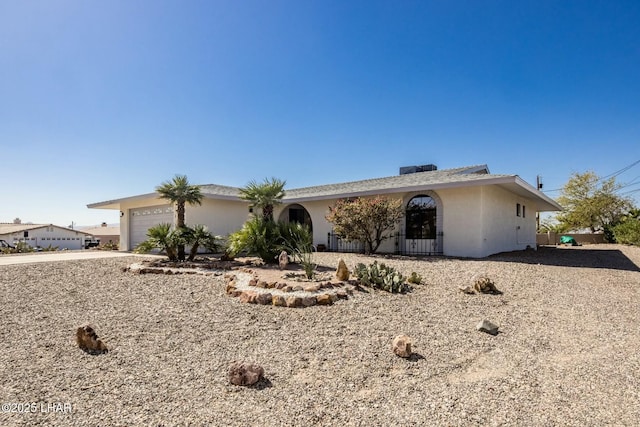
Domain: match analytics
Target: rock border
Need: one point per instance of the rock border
(246, 285)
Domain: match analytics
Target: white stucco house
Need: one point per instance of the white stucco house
(462, 212)
(43, 235)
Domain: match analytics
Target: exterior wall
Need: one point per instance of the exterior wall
(462, 222)
(49, 236)
(222, 217)
(502, 229)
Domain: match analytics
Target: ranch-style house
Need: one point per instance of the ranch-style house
(461, 212)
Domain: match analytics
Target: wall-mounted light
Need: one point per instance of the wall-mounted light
(121, 214)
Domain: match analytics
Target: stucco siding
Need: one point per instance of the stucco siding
(503, 229)
(462, 222)
(222, 217)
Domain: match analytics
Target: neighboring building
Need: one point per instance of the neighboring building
(43, 235)
(464, 212)
(105, 233)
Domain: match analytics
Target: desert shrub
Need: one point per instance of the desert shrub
(50, 248)
(163, 237)
(379, 276)
(109, 246)
(298, 241)
(266, 239)
(628, 232)
(415, 278)
(257, 237)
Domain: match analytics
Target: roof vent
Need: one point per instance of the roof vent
(405, 170)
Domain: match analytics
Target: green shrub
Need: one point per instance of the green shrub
(379, 276)
(266, 239)
(628, 232)
(415, 278)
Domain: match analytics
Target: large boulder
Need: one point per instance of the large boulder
(401, 346)
(342, 273)
(245, 373)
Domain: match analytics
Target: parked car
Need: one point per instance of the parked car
(91, 242)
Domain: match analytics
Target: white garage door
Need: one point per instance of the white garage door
(144, 218)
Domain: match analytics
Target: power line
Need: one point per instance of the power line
(614, 174)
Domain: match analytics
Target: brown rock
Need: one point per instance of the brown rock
(402, 346)
(248, 297)
(280, 285)
(231, 287)
(245, 373)
(324, 299)
(264, 298)
(297, 288)
(279, 301)
(253, 282)
(342, 273)
(333, 297)
(88, 341)
(287, 288)
(308, 301)
(311, 288)
(485, 285)
(261, 284)
(293, 301)
(342, 294)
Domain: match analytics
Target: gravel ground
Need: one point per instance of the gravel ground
(568, 351)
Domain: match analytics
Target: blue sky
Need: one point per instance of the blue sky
(102, 100)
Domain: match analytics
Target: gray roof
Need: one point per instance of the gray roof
(418, 181)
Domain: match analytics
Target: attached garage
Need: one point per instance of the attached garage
(141, 219)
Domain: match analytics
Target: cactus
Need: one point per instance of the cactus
(379, 276)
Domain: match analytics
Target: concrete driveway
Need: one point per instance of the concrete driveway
(62, 256)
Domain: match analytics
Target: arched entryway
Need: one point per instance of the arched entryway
(422, 235)
(296, 213)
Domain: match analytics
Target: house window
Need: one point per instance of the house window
(518, 209)
(421, 218)
(524, 211)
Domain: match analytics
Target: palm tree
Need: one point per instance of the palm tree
(180, 192)
(264, 196)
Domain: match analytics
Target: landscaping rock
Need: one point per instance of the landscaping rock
(401, 346)
(308, 301)
(88, 341)
(279, 301)
(261, 284)
(248, 297)
(485, 285)
(343, 272)
(488, 327)
(311, 288)
(245, 373)
(324, 299)
(293, 301)
(264, 298)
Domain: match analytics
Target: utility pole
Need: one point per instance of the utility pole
(539, 188)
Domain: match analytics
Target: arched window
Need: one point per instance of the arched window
(421, 218)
